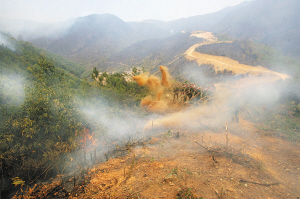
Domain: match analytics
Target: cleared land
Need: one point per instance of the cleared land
(254, 166)
(198, 164)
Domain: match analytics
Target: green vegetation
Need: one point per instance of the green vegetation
(125, 92)
(37, 131)
(186, 193)
(281, 119)
(41, 116)
(223, 37)
(26, 54)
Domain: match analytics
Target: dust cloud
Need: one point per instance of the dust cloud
(160, 90)
(226, 101)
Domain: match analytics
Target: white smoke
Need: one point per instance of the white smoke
(12, 89)
(4, 41)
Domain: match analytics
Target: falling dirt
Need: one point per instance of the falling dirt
(160, 88)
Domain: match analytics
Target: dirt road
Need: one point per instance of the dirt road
(221, 63)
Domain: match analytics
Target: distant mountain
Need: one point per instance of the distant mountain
(152, 53)
(272, 22)
(89, 38)
(144, 30)
(93, 38)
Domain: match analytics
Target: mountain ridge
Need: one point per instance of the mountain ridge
(92, 40)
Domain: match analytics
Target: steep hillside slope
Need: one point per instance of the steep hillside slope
(93, 38)
(275, 23)
(153, 52)
(144, 30)
(19, 55)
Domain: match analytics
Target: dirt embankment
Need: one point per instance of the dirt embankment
(195, 164)
(255, 165)
(204, 163)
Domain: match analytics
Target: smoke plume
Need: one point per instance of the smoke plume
(4, 41)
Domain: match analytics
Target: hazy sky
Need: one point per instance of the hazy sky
(127, 10)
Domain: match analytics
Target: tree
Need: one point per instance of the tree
(95, 74)
(105, 75)
(134, 70)
(44, 127)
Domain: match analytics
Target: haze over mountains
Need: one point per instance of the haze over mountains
(97, 40)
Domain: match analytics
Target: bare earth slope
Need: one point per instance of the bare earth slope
(199, 163)
(253, 166)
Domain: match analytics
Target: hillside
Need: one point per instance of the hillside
(274, 23)
(270, 22)
(92, 39)
(18, 55)
(222, 120)
(82, 123)
(152, 53)
(45, 110)
(254, 54)
(89, 39)
(194, 164)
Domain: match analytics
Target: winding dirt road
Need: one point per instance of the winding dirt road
(221, 63)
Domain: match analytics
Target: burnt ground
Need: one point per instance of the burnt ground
(197, 164)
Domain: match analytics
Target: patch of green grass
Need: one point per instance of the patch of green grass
(168, 134)
(186, 193)
(175, 170)
(281, 120)
(187, 171)
(152, 159)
